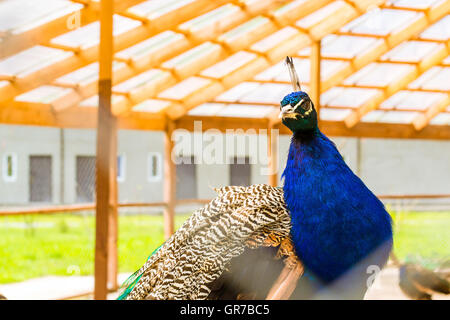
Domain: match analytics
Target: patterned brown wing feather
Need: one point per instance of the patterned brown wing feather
(199, 252)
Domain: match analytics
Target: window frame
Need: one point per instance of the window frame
(14, 164)
(121, 174)
(150, 176)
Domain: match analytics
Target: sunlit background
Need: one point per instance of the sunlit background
(384, 87)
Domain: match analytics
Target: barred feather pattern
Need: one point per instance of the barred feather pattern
(201, 249)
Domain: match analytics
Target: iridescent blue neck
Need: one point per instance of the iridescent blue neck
(330, 207)
(310, 153)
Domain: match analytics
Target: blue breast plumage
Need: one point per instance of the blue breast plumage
(338, 224)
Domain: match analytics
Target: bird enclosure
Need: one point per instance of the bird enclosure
(85, 85)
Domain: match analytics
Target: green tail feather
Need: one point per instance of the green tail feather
(129, 284)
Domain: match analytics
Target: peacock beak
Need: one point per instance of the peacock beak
(288, 111)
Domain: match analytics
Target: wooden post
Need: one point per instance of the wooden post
(106, 165)
(315, 76)
(169, 181)
(272, 150)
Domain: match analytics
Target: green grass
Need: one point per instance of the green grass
(63, 244)
(422, 237)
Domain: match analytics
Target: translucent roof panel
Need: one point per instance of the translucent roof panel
(415, 100)
(245, 30)
(151, 106)
(31, 60)
(92, 102)
(272, 72)
(390, 116)
(343, 46)
(327, 69)
(89, 35)
(274, 39)
(156, 8)
(229, 65)
(379, 74)
(232, 110)
(245, 111)
(226, 58)
(86, 74)
(43, 94)
(438, 31)
(441, 119)
(289, 7)
(150, 46)
(347, 97)
(267, 93)
(237, 92)
(184, 88)
(17, 16)
(412, 51)
(417, 4)
(206, 109)
(142, 79)
(211, 19)
(437, 78)
(319, 15)
(381, 21)
(278, 71)
(204, 51)
(446, 61)
(328, 114)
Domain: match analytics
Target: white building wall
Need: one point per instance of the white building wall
(25, 141)
(387, 166)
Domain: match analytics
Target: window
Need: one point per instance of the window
(85, 178)
(9, 167)
(121, 168)
(186, 182)
(40, 178)
(240, 171)
(154, 166)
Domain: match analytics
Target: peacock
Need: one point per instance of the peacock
(320, 236)
(419, 283)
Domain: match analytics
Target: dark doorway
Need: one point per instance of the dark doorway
(186, 178)
(85, 187)
(240, 171)
(40, 178)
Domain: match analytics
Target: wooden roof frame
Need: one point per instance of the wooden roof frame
(67, 111)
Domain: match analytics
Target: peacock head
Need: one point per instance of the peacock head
(297, 110)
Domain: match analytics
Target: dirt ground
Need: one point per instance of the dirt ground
(55, 287)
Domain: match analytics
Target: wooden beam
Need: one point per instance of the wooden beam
(218, 36)
(382, 46)
(272, 148)
(422, 120)
(316, 31)
(169, 181)
(125, 40)
(392, 88)
(385, 130)
(59, 209)
(262, 59)
(330, 128)
(314, 83)
(106, 165)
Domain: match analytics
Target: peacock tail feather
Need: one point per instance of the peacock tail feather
(202, 248)
(131, 281)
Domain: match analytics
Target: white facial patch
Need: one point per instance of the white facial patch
(288, 111)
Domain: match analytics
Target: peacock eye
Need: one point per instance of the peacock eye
(306, 105)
